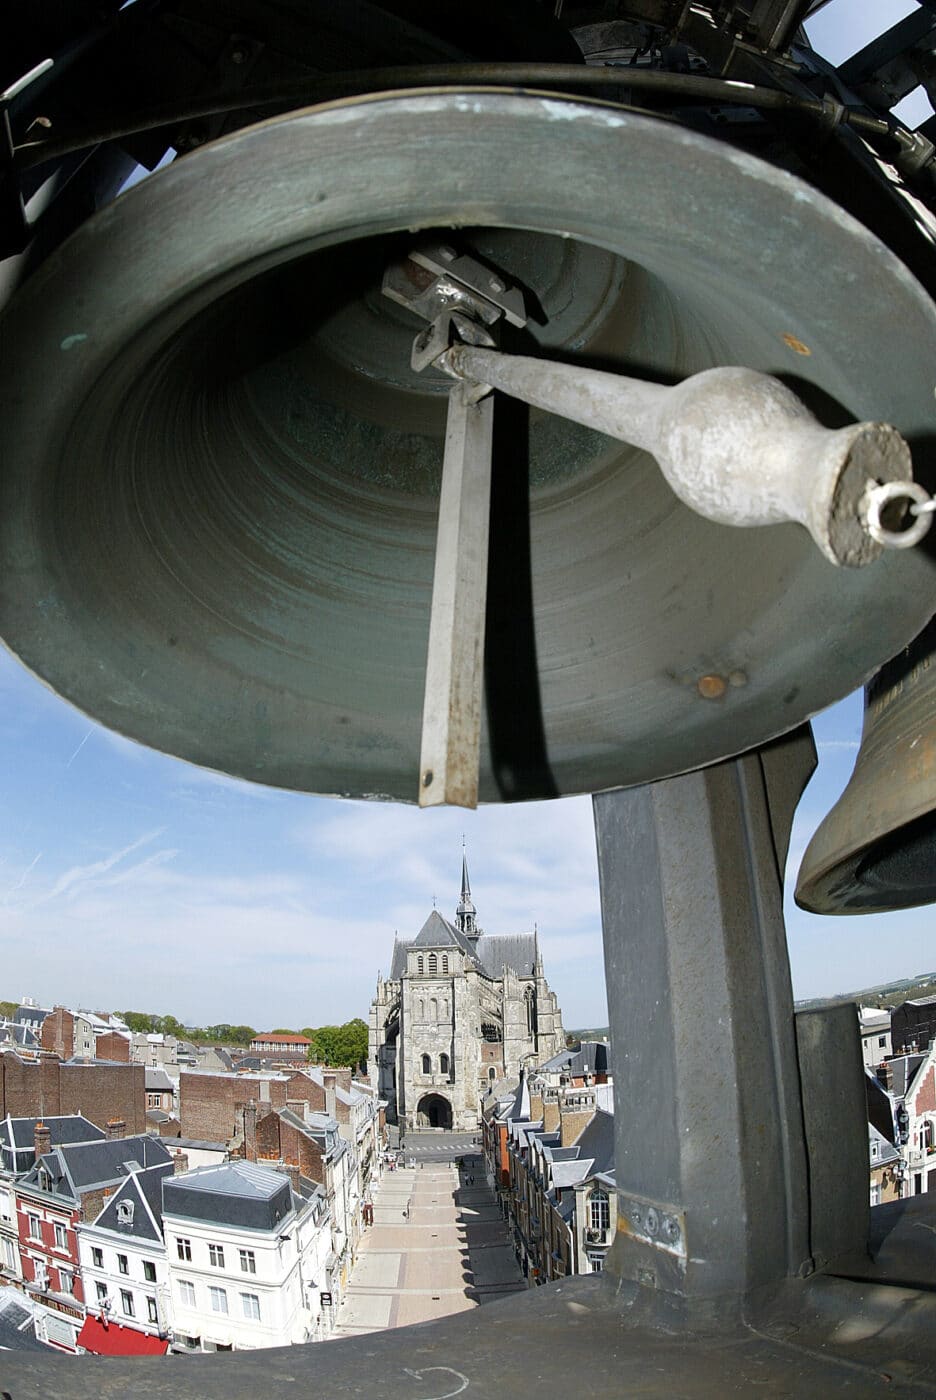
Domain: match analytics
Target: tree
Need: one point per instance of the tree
(338, 1045)
(140, 1022)
(8, 1008)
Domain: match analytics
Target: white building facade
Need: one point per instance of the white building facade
(123, 1260)
(246, 1258)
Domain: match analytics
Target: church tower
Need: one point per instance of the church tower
(466, 915)
(460, 1010)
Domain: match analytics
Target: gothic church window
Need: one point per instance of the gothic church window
(433, 964)
(445, 964)
(434, 1010)
(422, 1009)
(530, 999)
(426, 1065)
(443, 1064)
(419, 964)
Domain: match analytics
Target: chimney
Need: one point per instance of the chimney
(115, 1128)
(550, 1110)
(250, 1130)
(42, 1139)
(330, 1080)
(292, 1171)
(179, 1161)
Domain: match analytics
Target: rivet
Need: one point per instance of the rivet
(711, 687)
(427, 777)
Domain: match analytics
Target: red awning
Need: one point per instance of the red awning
(114, 1340)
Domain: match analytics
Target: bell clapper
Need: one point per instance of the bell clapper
(736, 446)
(460, 298)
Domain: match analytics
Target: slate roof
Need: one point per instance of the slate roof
(596, 1140)
(18, 1033)
(886, 1151)
(903, 1068)
(231, 1193)
(158, 1081)
(13, 1318)
(490, 953)
(31, 1015)
(79, 1167)
(436, 932)
(17, 1136)
(143, 1190)
(593, 1056)
(569, 1173)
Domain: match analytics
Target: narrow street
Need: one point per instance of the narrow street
(449, 1253)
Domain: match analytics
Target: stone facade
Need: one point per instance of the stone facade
(458, 1011)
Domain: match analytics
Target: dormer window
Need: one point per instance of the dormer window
(124, 1212)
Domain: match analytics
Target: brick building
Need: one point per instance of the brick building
(209, 1103)
(44, 1085)
(68, 1184)
(913, 1025)
(86, 1034)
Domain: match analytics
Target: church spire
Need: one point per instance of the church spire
(465, 914)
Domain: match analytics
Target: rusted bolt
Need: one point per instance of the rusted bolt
(711, 687)
(796, 345)
(427, 777)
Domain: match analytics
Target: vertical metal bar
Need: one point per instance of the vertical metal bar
(451, 726)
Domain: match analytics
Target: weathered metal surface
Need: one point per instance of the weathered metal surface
(708, 1111)
(451, 733)
(875, 850)
(832, 1086)
(738, 447)
(590, 1337)
(220, 474)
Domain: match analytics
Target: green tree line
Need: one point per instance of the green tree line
(330, 1045)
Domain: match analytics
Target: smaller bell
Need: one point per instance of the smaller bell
(876, 850)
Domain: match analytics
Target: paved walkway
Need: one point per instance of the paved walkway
(449, 1254)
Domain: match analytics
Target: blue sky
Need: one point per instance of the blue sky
(129, 880)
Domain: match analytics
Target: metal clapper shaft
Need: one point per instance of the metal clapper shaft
(461, 299)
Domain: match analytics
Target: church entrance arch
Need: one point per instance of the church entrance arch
(433, 1111)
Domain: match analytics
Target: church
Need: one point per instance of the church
(460, 1010)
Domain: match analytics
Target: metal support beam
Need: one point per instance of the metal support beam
(711, 1155)
(451, 727)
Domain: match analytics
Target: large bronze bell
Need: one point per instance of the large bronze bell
(876, 849)
(220, 475)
